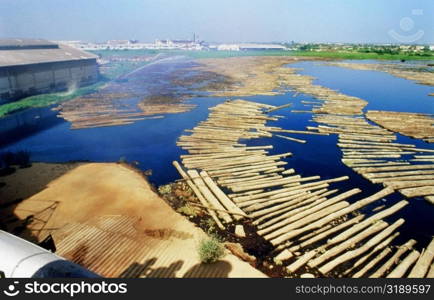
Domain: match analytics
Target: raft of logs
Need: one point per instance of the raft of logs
(371, 151)
(309, 224)
(416, 125)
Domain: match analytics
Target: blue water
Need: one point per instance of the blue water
(152, 143)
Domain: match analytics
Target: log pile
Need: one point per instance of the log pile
(309, 224)
(371, 151)
(416, 125)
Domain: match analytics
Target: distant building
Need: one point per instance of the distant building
(250, 46)
(33, 66)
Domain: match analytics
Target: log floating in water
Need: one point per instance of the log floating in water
(394, 259)
(422, 266)
(402, 268)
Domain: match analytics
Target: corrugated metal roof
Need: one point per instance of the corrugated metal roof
(26, 43)
(112, 246)
(35, 56)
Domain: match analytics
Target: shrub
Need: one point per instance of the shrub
(187, 210)
(210, 250)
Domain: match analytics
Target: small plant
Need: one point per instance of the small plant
(187, 210)
(165, 189)
(209, 225)
(210, 250)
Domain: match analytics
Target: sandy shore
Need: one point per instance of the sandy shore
(106, 217)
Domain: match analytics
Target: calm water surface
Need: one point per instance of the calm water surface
(152, 143)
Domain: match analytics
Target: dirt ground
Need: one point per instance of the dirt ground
(106, 217)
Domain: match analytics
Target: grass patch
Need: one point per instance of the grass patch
(46, 99)
(210, 250)
(188, 210)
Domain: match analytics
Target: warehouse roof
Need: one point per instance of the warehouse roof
(7, 44)
(15, 52)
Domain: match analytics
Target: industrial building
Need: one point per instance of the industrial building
(34, 66)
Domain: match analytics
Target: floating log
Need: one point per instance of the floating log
(330, 215)
(377, 248)
(372, 263)
(279, 107)
(394, 259)
(417, 191)
(318, 237)
(422, 266)
(275, 183)
(291, 138)
(402, 268)
(365, 247)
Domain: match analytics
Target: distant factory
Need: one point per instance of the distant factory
(33, 66)
(249, 46)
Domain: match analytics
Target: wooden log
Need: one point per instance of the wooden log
(330, 253)
(198, 181)
(295, 229)
(291, 138)
(279, 236)
(289, 171)
(279, 107)
(303, 213)
(372, 263)
(372, 219)
(221, 196)
(297, 131)
(365, 247)
(275, 183)
(402, 268)
(262, 205)
(398, 185)
(417, 191)
(285, 197)
(301, 261)
(394, 168)
(422, 266)
(198, 194)
(285, 205)
(279, 192)
(396, 174)
(377, 248)
(394, 259)
(318, 237)
(431, 270)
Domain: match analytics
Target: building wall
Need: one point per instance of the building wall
(25, 80)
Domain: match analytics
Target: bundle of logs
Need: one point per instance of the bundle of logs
(371, 151)
(310, 225)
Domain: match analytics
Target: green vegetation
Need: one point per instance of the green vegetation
(210, 250)
(187, 210)
(209, 225)
(46, 99)
(363, 55)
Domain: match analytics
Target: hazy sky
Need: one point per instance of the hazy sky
(220, 20)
